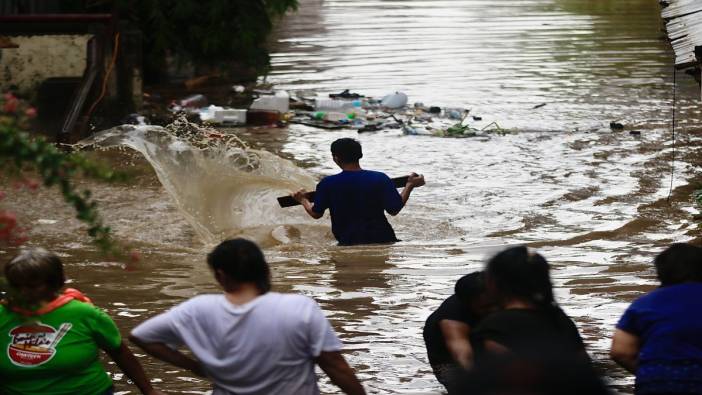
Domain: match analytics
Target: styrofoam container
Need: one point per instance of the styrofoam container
(279, 102)
(230, 115)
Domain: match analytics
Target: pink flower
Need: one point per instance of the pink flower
(19, 240)
(31, 112)
(10, 106)
(32, 185)
(8, 222)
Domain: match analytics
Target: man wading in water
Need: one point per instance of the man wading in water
(356, 198)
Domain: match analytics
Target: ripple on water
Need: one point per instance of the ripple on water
(590, 199)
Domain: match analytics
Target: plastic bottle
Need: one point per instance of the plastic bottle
(454, 112)
(334, 116)
(395, 100)
(194, 101)
(332, 105)
(279, 102)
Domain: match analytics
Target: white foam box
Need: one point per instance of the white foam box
(236, 116)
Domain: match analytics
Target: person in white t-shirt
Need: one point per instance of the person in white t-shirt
(249, 340)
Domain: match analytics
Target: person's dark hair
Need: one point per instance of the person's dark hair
(470, 286)
(35, 264)
(679, 263)
(242, 261)
(518, 273)
(348, 150)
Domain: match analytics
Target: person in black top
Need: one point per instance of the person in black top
(528, 315)
(530, 338)
(447, 330)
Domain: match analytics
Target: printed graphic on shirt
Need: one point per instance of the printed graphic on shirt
(34, 344)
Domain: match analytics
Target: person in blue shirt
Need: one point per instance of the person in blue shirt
(357, 199)
(659, 337)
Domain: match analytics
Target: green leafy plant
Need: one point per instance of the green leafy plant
(21, 154)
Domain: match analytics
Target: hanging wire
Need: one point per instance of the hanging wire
(672, 161)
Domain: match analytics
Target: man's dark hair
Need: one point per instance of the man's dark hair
(679, 263)
(348, 150)
(470, 286)
(242, 261)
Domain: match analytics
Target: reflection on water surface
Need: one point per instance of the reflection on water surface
(591, 200)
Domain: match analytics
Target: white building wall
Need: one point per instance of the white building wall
(41, 57)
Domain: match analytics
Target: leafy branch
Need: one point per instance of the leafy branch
(19, 153)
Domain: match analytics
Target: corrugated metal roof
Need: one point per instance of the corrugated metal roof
(683, 22)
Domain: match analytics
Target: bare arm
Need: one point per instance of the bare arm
(340, 373)
(167, 354)
(493, 347)
(456, 337)
(302, 199)
(625, 350)
(415, 180)
(126, 361)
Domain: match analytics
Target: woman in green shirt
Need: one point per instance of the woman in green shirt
(50, 342)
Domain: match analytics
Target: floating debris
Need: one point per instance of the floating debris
(614, 125)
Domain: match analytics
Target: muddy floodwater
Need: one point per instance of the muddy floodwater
(593, 201)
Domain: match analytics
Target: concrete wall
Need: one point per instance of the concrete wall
(41, 57)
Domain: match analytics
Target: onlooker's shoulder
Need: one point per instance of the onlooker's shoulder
(664, 294)
(202, 299)
(376, 173)
(331, 179)
(77, 308)
(199, 303)
(294, 299)
(376, 176)
(294, 305)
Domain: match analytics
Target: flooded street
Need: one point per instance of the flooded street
(591, 200)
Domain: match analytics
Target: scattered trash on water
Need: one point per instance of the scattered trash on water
(263, 117)
(456, 113)
(343, 110)
(614, 125)
(193, 101)
(395, 100)
(280, 102)
(136, 119)
(346, 94)
(369, 128)
(220, 115)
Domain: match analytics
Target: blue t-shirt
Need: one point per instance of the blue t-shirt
(357, 201)
(669, 324)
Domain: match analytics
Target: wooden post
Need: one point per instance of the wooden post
(698, 56)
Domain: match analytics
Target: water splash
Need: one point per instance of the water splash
(222, 187)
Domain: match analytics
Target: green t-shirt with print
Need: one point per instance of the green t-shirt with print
(56, 353)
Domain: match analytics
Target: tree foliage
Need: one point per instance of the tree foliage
(205, 32)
